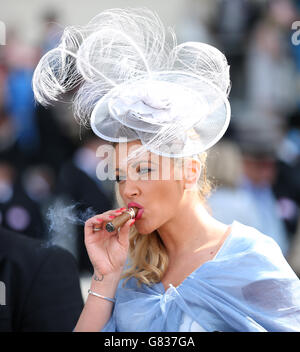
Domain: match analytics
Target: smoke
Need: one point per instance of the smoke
(63, 220)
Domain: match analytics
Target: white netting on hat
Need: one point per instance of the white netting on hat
(133, 81)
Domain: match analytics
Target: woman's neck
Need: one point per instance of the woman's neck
(190, 229)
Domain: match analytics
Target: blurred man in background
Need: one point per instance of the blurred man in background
(42, 291)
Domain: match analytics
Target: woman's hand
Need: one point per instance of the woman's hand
(107, 250)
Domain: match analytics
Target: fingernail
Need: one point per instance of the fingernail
(100, 220)
(111, 216)
(122, 208)
(133, 221)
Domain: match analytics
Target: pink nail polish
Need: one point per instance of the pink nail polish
(111, 216)
(100, 220)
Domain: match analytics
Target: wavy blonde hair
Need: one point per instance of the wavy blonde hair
(147, 256)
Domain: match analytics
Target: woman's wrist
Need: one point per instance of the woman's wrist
(100, 302)
(105, 284)
(114, 273)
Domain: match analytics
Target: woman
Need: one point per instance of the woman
(163, 105)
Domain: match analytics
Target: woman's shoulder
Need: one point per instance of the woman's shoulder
(247, 239)
(253, 252)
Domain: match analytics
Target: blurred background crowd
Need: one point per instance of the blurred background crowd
(48, 183)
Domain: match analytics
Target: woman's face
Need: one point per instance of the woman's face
(151, 181)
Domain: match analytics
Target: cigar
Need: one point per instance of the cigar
(120, 220)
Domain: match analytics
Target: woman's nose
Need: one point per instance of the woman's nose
(130, 189)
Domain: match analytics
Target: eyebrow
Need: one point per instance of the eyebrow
(138, 162)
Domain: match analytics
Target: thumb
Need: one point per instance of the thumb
(124, 232)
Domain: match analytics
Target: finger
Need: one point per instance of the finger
(106, 216)
(124, 232)
(117, 210)
(98, 225)
(99, 219)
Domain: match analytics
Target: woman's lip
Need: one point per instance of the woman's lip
(134, 205)
(140, 211)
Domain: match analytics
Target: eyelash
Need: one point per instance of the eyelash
(146, 168)
(118, 180)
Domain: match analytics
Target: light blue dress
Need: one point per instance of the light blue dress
(248, 286)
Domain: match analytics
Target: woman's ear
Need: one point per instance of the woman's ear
(192, 173)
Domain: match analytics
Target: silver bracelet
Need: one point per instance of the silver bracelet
(100, 296)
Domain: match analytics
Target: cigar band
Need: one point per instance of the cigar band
(131, 212)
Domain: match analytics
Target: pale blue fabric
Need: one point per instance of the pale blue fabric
(248, 286)
(189, 325)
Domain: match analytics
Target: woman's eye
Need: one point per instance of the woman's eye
(145, 170)
(140, 171)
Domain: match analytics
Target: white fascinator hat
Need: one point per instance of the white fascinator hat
(133, 82)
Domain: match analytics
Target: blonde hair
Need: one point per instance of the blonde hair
(148, 258)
